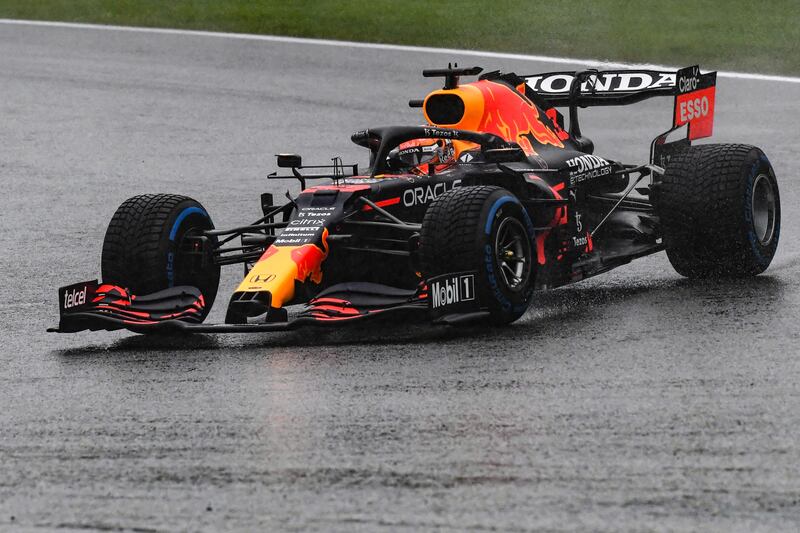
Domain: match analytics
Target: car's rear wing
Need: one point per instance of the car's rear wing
(694, 92)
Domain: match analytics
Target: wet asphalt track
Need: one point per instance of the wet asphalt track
(637, 400)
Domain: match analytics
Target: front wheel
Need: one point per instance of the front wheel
(483, 229)
(145, 248)
(720, 211)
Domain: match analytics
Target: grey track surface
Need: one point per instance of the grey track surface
(637, 400)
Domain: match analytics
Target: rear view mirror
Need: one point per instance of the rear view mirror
(289, 161)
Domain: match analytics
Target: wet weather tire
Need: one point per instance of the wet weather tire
(143, 250)
(720, 211)
(485, 229)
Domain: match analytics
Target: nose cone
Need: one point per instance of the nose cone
(280, 267)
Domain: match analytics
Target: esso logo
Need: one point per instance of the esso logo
(695, 108)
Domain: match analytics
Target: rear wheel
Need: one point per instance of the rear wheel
(720, 211)
(145, 247)
(485, 229)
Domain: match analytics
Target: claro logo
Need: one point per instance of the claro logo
(688, 79)
(688, 84)
(427, 193)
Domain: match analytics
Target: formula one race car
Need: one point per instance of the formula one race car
(460, 220)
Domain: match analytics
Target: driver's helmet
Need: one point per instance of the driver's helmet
(419, 154)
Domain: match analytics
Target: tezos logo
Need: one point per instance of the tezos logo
(74, 298)
(444, 134)
(580, 241)
(452, 290)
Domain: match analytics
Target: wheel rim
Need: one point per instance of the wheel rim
(512, 251)
(763, 205)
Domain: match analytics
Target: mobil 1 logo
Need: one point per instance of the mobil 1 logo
(453, 292)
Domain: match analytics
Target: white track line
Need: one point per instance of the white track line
(378, 46)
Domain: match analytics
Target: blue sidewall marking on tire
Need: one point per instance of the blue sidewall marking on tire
(493, 211)
(182, 216)
(173, 233)
(170, 269)
(498, 295)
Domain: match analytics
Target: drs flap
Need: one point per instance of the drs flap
(694, 101)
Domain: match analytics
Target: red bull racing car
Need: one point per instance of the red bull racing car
(460, 220)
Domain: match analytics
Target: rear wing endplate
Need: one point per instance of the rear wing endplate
(695, 95)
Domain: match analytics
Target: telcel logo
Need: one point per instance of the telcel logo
(74, 298)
